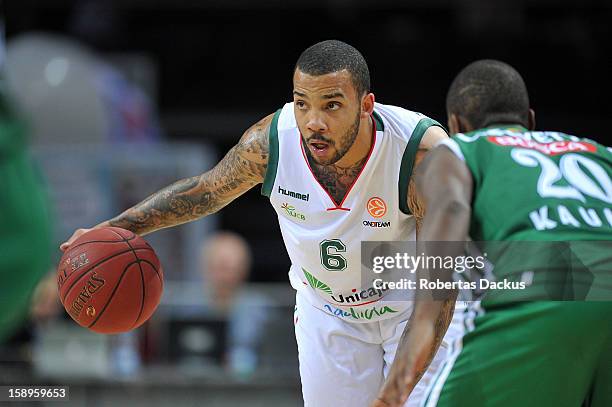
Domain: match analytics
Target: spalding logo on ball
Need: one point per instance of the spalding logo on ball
(110, 280)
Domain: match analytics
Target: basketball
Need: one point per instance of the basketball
(110, 280)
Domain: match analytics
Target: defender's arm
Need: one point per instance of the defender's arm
(243, 167)
(444, 185)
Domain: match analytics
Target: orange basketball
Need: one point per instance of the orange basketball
(110, 280)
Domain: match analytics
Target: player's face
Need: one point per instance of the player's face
(328, 112)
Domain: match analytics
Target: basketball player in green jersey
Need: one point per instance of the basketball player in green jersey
(25, 224)
(497, 180)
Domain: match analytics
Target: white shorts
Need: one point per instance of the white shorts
(345, 363)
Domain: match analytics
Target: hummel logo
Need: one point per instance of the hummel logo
(297, 195)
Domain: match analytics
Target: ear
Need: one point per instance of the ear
(453, 124)
(367, 105)
(459, 124)
(531, 121)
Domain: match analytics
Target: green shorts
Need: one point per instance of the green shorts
(531, 354)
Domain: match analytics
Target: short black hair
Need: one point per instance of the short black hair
(332, 56)
(487, 92)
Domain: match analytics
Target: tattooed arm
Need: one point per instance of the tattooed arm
(444, 185)
(243, 167)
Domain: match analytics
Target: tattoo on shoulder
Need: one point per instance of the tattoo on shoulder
(243, 167)
(253, 148)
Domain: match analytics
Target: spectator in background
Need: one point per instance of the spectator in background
(225, 266)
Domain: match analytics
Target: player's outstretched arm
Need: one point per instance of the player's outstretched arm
(243, 167)
(444, 185)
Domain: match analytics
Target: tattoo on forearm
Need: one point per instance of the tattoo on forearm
(243, 167)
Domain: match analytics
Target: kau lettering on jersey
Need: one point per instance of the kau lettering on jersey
(552, 148)
(545, 218)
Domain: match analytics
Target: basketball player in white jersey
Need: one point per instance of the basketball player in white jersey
(336, 167)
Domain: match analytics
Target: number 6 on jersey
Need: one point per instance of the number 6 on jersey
(330, 257)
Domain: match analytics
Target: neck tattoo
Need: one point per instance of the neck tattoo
(336, 180)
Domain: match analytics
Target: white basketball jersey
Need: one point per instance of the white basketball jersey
(323, 237)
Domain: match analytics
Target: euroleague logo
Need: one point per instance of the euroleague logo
(376, 207)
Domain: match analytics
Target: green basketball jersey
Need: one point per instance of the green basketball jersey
(542, 210)
(535, 185)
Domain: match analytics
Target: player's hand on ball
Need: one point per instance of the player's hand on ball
(74, 237)
(109, 279)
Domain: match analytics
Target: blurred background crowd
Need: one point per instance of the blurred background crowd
(105, 101)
